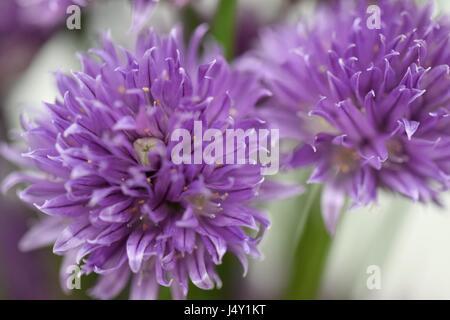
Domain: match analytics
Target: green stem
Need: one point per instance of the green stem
(224, 26)
(310, 255)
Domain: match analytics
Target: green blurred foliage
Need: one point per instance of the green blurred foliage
(224, 26)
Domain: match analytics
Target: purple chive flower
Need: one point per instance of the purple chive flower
(369, 106)
(116, 202)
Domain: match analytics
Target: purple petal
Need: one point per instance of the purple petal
(137, 243)
(144, 287)
(73, 236)
(111, 284)
(332, 203)
(42, 234)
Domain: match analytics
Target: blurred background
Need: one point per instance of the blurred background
(403, 245)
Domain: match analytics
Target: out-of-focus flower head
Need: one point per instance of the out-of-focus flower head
(21, 272)
(45, 13)
(370, 105)
(104, 174)
(24, 26)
